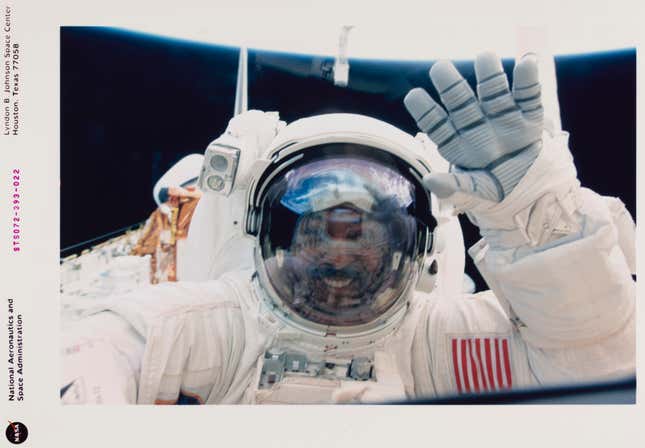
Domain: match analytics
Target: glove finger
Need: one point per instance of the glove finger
(462, 104)
(492, 86)
(456, 95)
(477, 183)
(430, 117)
(433, 120)
(526, 87)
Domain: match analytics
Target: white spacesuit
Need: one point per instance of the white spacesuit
(323, 229)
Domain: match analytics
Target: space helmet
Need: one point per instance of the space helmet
(342, 223)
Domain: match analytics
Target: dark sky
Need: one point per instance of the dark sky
(134, 104)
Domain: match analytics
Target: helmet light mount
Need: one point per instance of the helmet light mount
(219, 169)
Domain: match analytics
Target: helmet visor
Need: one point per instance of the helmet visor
(339, 238)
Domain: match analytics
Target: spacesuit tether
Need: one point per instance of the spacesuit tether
(310, 254)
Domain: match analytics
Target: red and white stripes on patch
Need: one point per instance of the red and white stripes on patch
(481, 364)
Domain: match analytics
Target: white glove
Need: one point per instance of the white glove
(492, 143)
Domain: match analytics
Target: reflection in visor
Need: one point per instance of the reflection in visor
(326, 183)
(344, 223)
(339, 239)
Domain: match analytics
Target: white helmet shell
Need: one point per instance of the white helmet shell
(291, 145)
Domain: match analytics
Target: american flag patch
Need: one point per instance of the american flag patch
(481, 364)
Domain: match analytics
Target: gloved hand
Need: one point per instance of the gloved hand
(492, 142)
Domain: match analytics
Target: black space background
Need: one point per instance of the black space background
(134, 104)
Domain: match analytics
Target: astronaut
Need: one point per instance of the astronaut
(323, 228)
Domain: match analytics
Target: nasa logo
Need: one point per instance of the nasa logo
(16, 432)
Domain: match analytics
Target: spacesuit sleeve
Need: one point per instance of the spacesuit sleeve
(173, 343)
(101, 361)
(626, 229)
(572, 291)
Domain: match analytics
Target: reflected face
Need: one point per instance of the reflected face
(341, 254)
(339, 239)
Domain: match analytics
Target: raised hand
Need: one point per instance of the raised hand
(491, 140)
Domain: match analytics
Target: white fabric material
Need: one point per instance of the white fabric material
(590, 291)
(389, 386)
(567, 309)
(449, 255)
(254, 130)
(394, 379)
(554, 256)
(539, 209)
(201, 341)
(215, 243)
(101, 360)
(473, 316)
(626, 228)
(448, 240)
(344, 127)
(574, 303)
(558, 258)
